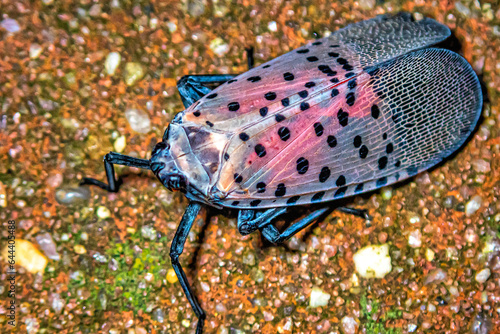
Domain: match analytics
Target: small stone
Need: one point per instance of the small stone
(196, 7)
(27, 256)
(148, 232)
(481, 324)
(48, 246)
(205, 286)
(171, 276)
(35, 50)
(10, 25)
(449, 202)
(55, 180)
(272, 26)
(95, 10)
(386, 193)
(373, 261)
(268, 316)
(133, 73)
(103, 212)
(349, 325)
(79, 249)
(462, 9)
(483, 275)
(138, 120)
(415, 239)
(219, 47)
(120, 144)
(112, 62)
(56, 302)
(435, 275)
(186, 323)
(318, 298)
(249, 259)
(473, 205)
(481, 165)
(429, 254)
(158, 315)
(366, 4)
(3, 195)
(72, 195)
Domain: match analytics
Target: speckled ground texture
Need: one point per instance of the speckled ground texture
(65, 102)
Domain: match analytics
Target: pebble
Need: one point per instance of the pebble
(481, 165)
(272, 26)
(95, 10)
(171, 276)
(103, 212)
(133, 73)
(35, 50)
(386, 193)
(27, 256)
(349, 325)
(10, 25)
(373, 261)
(473, 205)
(48, 246)
(415, 239)
(56, 302)
(318, 297)
(483, 275)
(366, 4)
(120, 144)
(55, 180)
(435, 275)
(72, 195)
(112, 62)
(138, 120)
(80, 249)
(219, 47)
(429, 254)
(148, 232)
(196, 7)
(462, 9)
(158, 315)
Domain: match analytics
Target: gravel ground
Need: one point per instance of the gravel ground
(81, 78)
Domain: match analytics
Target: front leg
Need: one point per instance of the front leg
(193, 87)
(176, 250)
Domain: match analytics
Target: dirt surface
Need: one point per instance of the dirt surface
(65, 102)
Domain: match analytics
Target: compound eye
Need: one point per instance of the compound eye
(161, 146)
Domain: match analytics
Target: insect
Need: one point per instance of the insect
(366, 107)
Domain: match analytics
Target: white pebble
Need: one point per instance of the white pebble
(349, 325)
(429, 254)
(120, 144)
(481, 166)
(483, 275)
(318, 298)
(473, 205)
(373, 261)
(272, 26)
(219, 47)
(133, 73)
(35, 50)
(10, 25)
(112, 62)
(138, 120)
(415, 239)
(103, 212)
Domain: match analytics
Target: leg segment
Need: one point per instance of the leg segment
(194, 87)
(176, 250)
(356, 212)
(251, 220)
(110, 159)
(272, 234)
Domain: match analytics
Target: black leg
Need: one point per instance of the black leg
(272, 234)
(193, 87)
(176, 250)
(356, 212)
(110, 159)
(251, 220)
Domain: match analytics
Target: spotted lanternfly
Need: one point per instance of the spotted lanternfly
(366, 107)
